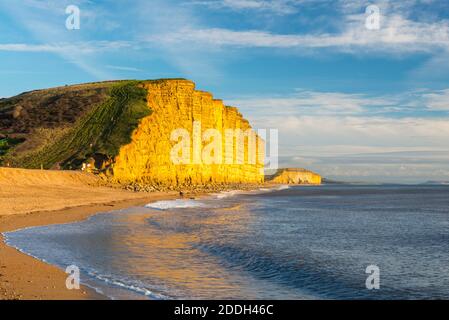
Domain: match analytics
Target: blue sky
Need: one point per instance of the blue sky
(349, 102)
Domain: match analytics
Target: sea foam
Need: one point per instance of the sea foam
(175, 204)
(227, 194)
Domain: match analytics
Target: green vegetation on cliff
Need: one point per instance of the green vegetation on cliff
(6, 144)
(98, 132)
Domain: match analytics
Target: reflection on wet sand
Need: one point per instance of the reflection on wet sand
(163, 248)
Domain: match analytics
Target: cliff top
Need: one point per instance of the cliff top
(294, 170)
(281, 171)
(295, 176)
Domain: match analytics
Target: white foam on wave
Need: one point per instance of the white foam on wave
(276, 188)
(175, 204)
(227, 194)
(189, 203)
(135, 288)
(94, 275)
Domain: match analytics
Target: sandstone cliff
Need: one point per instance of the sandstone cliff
(175, 104)
(295, 176)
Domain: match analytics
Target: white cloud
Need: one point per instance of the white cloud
(367, 131)
(63, 47)
(317, 103)
(273, 6)
(45, 22)
(397, 34)
(293, 6)
(438, 100)
(123, 68)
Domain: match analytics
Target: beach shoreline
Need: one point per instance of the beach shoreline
(47, 282)
(33, 198)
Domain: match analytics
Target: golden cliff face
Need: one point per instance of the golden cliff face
(176, 105)
(296, 176)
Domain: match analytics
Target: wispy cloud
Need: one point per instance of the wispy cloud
(273, 6)
(359, 136)
(364, 148)
(376, 164)
(315, 102)
(123, 68)
(64, 47)
(319, 118)
(368, 131)
(438, 100)
(396, 35)
(45, 22)
(319, 103)
(291, 6)
(191, 61)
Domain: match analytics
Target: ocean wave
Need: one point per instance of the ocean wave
(227, 194)
(140, 289)
(276, 188)
(175, 204)
(282, 187)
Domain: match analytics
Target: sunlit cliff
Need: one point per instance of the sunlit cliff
(295, 176)
(175, 104)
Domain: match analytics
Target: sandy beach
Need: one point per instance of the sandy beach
(35, 198)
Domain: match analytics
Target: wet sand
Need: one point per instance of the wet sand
(34, 198)
(24, 277)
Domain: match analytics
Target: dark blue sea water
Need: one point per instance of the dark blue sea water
(297, 243)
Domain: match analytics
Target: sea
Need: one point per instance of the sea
(337, 241)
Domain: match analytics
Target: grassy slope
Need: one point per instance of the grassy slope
(6, 144)
(101, 131)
